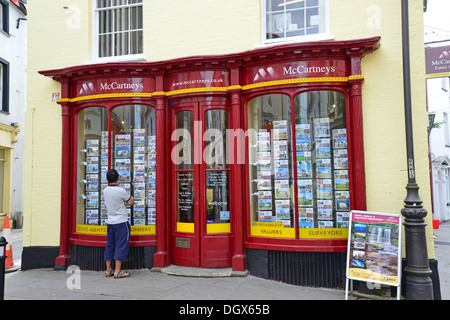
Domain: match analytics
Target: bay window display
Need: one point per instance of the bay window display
(134, 158)
(92, 164)
(322, 160)
(299, 175)
(270, 162)
(133, 154)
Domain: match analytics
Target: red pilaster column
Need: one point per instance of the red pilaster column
(160, 258)
(63, 260)
(238, 261)
(357, 134)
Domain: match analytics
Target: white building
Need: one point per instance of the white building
(439, 113)
(13, 57)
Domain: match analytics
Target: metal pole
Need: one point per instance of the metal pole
(418, 283)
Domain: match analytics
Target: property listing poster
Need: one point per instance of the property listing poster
(374, 247)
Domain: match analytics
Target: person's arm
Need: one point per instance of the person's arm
(127, 198)
(130, 201)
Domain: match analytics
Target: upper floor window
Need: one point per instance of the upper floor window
(4, 16)
(119, 27)
(4, 85)
(289, 19)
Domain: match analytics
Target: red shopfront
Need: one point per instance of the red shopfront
(248, 160)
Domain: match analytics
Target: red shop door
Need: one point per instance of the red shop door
(201, 217)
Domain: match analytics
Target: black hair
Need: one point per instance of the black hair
(112, 176)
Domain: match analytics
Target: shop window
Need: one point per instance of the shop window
(271, 163)
(132, 152)
(322, 160)
(92, 165)
(298, 168)
(294, 19)
(134, 157)
(119, 30)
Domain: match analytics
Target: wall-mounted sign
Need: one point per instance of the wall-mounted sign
(374, 248)
(437, 62)
(113, 85)
(319, 68)
(197, 79)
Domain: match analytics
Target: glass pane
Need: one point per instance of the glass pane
(322, 160)
(121, 43)
(296, 23)
(136, 42)
(185, 197)
(92, 165)
(289, 4)
(121, 19)
(134, 157)
(275, 25)
(271, 164)
(215, 137)
(184, 155)
(105, 45)
(138, 17)
(217, 197)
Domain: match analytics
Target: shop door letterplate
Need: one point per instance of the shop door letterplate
(183, 243)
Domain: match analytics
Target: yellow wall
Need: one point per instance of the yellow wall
(63, 37)
(383, 106)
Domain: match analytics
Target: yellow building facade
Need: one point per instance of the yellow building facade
(68, 36)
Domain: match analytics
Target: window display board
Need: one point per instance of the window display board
(374, 249)
(135, 161)
(133, 155)
(299, 173)
(324, 190)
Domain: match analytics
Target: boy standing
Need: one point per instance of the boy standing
(118, 227)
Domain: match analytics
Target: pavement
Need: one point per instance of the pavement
(180, 283)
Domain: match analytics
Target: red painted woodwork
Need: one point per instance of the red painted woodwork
(202, 78)
(203, 249)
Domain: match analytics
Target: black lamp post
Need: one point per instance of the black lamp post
(3, 244)
(418, 283)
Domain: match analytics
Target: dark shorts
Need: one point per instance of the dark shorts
(117, 241)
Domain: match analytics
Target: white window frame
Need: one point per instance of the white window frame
(312, 37)
(95, 40)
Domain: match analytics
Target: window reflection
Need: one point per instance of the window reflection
(270, 160)
(92, 162)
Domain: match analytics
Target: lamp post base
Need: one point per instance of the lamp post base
(418, 283)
